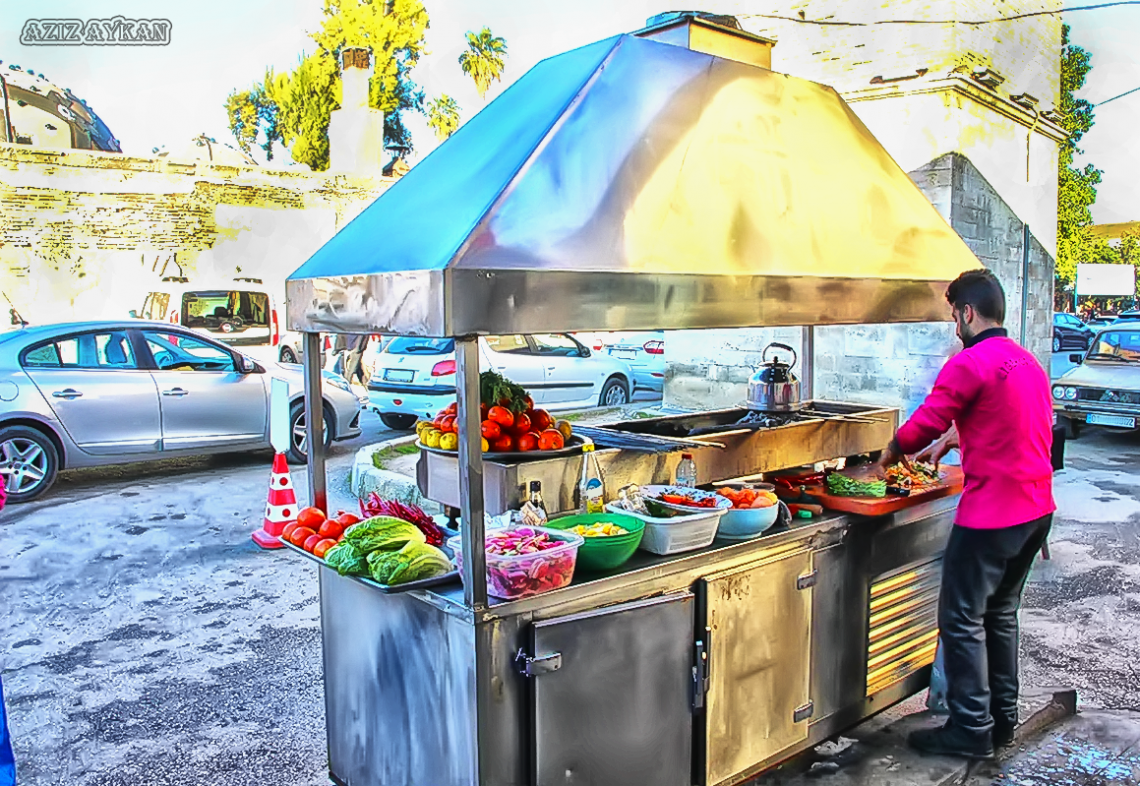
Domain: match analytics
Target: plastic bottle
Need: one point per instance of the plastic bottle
(687, 471)
(592, 490)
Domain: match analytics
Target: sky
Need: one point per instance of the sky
(163, 96)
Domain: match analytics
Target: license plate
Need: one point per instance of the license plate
(625, 354)
(398, 375)
(1119, 421)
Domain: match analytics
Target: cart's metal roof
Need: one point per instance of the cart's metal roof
(632, 184)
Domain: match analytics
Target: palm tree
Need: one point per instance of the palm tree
(443, 116)
(483, 60)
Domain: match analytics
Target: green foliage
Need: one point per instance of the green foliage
(294, 109)
(483, 59)
(443, 116)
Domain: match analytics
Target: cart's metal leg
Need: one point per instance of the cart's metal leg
(471, 473)
(314, 421)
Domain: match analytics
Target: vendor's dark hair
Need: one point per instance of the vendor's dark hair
(980, 289)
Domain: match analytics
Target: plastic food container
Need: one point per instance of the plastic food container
(523, 575)
(677, 534)
(604, 552)
(744, 523)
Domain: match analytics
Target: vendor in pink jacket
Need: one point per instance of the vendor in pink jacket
(991, 401)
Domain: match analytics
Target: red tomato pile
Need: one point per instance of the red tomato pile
(504, 431)
(315, 533)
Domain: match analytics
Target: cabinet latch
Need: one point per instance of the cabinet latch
(803, 713)
(701, 671)
(537, 665)
(807, 580)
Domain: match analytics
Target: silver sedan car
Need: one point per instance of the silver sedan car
(87, 394)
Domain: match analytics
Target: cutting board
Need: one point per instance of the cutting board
(951, 483)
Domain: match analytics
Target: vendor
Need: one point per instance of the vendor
(992, 399)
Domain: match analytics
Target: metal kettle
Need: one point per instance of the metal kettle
(774, 388)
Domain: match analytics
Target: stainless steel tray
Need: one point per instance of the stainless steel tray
(391, 589)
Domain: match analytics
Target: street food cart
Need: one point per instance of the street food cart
(636, 184)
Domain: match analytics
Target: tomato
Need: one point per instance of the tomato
(541, 420)
(285, 533)
(491, 430)
(346, 520)
(449, 426)
(483, 410)
(504, 444)
(502, 416)
(311, 541)
(300, 535)
(451, 409)
(311, 518)
(323, 546)
(551, 440)
(528, 441)
(522, 424)
(331, 528)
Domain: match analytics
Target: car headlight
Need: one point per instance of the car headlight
(1058, 391)
(338, 382)
(1071, 394)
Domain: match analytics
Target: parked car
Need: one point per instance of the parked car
(644, 351)
(1070, 333)
(1128, 316)
(1104, 390)
(415, 377)
(1100, 321)
(240, 312)
(87, 394)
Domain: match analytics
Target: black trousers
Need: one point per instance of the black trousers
(983, 575)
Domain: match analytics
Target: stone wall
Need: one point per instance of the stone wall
(85, 234)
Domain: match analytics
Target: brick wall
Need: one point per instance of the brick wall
(84, 234)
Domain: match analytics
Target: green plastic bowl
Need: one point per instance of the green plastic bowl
(607, 552)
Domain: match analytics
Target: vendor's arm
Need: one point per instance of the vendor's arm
(936, 452)
(956, 388)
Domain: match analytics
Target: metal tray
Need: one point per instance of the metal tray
(574, 445)
(391, 589)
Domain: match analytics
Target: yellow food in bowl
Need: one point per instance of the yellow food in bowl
(599, 530)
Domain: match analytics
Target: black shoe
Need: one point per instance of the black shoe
(1003, 735)
(951, 741)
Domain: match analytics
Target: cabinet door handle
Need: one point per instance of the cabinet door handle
(67, 393)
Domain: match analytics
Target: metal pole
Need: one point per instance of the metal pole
(471, 473)
(1024, 282)
(314, 421)
(807, 367)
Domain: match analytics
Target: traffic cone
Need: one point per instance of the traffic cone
(281, 507)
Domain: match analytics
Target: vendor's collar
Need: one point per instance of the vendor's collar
(989, 333)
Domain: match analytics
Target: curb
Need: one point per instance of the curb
(364, 477)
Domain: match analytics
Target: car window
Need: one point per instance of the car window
(179, 352)
(555, 344)
(420, 346)
(210, 310)
(109, 350)
(1123, 344)
(509, 345)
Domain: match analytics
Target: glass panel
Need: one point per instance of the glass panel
(513, 345)
(555, 344)
(113, 350)
(176, 352)
(421, 346)
(209, 309)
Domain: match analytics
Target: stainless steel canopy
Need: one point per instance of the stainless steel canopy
(632, 184)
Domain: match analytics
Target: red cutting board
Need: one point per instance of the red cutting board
(951, 483)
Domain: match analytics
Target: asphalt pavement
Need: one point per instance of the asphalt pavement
(146, 639)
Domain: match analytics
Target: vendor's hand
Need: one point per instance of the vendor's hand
(936, 452)
(893, 455)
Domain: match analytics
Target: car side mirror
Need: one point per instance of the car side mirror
(248, 366)
(584, 352)
(1077, 358)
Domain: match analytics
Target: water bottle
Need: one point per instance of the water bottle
(687, 471)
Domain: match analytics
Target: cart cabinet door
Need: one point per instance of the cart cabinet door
(759, 643)
(612, 692)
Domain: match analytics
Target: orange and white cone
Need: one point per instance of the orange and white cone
(281, 507)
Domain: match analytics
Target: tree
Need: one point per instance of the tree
(483, 59)
(1076, 187)
(443, 116)
(294, 108)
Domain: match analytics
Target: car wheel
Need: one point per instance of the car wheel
(615, 393)
(298, 452)
(1056, 343)
(398, 422)
(288, 355)
(29, 462)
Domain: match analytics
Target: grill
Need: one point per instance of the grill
(1108, 396)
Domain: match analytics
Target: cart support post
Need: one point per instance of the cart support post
(314, 421)
(471, 473)
(807, 363)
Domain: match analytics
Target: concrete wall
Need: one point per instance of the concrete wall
(85, 234)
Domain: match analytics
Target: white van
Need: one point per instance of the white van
(241, 313)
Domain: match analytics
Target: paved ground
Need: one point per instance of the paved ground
(146, 640)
